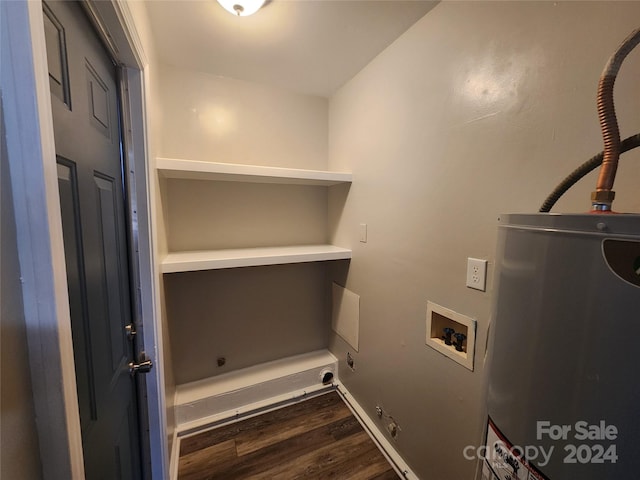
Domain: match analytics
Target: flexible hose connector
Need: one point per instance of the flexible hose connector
(594, 162)
(603, 197)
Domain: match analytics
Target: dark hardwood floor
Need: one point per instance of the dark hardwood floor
(315, 439)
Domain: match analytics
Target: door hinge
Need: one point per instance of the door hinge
(130, 331)
(142, 366)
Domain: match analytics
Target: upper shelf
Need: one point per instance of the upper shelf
(250, 257)
(197, 170)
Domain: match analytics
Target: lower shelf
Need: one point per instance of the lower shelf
(251, 257)
(207, 401)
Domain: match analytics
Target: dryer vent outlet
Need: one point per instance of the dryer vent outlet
(326, 376)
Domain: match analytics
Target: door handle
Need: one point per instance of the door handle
(140, 367)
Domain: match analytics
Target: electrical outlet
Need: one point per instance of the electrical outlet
(393, 428)
(477, 273)
(350, 361)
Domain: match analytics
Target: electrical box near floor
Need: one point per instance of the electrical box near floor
(451, 333)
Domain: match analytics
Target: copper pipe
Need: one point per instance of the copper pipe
(603, 196)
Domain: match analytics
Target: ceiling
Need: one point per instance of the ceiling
(308, 46)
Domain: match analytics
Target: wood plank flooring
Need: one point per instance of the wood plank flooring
(315, 439)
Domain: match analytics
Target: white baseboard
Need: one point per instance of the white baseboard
(371, 427)
(238, 393)
(175, 456)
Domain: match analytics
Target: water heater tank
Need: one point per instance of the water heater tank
(564, 371)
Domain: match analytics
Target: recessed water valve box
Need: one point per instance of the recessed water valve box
(451, 333)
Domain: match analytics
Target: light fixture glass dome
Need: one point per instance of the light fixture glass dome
(242, 8)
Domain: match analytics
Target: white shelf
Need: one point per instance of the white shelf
(197, 170)
(250, 257)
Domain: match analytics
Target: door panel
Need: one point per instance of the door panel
(94, 229)
(56, 56)
(71, 229)
(99, 101)
(106, 195)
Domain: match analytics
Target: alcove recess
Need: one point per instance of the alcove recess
(440, 318)
(245, 275)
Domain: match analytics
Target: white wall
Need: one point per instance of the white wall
(479, 109)
(20, 456)
(203, 216)
(212, 118)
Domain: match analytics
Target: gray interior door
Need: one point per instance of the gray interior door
(87, 136)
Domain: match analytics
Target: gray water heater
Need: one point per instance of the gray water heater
(564, 374)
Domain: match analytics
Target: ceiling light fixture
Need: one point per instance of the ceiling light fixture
(241, 8)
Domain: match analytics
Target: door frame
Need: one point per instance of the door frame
(26, 105)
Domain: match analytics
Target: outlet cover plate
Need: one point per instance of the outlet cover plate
(477, 274)
(363, 232)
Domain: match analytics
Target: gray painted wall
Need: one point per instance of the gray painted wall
(247, 315)
(479, 109)
(20, 455)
